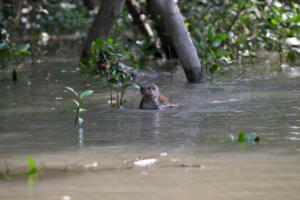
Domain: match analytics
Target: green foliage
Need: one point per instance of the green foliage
(117, 75)
(32, 173)
(12, 54)
(241, 137)
(34, 21)
(78, 101)
(223, 32)
(249, 138)
(32, 168)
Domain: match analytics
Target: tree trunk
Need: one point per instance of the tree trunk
(165, 41)
(139, 19)
(167, 16)
(103, 23)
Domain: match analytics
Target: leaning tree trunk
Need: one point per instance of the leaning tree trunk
(167, 15)
(103, 23)
(139, 19)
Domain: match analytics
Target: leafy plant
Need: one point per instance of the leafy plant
(33, 170)
(235, 31)
(12, 54)
(108, 55)
(243, 138)
(251, 137)
(78, 100)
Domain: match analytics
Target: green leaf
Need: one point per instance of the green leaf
(81, 103)
(72, 90)
(32, 168)
(86, 94)
(81, 110)
(133, 85)
(22, 46)
(127, 52)
(76, 102)
(24, 51)
(219, 37)
(100, 44)
(291, 57)
(133, 69)
(32, 171)
(241, 137)
(109, 41)
(67, 110)
(93, 49)
(211, 31)
(296, 18)
(30, 162)
(214, 68)
(273, 21)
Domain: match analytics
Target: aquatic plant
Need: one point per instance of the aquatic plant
(107, 55)
(33, 170)
(243, 138)
(12, 54)
(78, 100)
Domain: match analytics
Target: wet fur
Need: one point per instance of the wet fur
(155, 101)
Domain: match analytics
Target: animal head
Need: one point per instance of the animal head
(150, 89)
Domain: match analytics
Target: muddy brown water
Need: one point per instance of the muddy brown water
(209, 113)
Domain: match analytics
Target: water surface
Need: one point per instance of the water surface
(193, 134)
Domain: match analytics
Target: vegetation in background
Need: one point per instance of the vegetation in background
(78, 100)
(222, 31)
(34, 22)
(228, 31)
(108, 55)
(12, 54)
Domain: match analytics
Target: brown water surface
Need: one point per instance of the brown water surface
(181, 139)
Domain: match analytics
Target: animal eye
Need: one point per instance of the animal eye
(148, 88)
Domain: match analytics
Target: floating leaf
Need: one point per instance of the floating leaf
(86, 93)
(241, 137)
(30, 162)
(32, 168)
(72, 90)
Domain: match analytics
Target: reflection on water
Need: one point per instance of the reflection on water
(194, 133)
